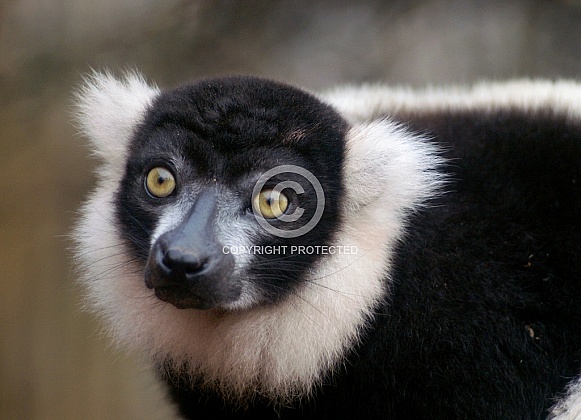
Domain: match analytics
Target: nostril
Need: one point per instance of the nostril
(181, 264)
(194, 267)
(171, 258)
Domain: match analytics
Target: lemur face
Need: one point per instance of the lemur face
(195, 206)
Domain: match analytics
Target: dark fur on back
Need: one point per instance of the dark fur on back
(488, 280)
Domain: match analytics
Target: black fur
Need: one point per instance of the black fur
(484, 314)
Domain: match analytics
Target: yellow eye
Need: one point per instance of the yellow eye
(270, 204)
(160, 182)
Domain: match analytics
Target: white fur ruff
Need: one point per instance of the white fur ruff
(569, 408)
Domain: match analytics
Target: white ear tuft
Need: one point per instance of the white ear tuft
(108, 109)
(389, 168)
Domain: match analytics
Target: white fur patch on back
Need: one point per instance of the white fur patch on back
(364, 103)
(282, 350)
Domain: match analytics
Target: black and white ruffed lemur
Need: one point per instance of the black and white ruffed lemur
(363, 253)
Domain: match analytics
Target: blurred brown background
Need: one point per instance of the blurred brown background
(54, 363)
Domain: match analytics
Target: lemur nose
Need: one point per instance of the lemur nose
(186, 265)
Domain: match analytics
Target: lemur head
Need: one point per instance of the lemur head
(187, 204)
(241, 227)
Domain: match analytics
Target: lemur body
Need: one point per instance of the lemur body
(441, 280)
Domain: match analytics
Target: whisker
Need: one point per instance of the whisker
(95, 262)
